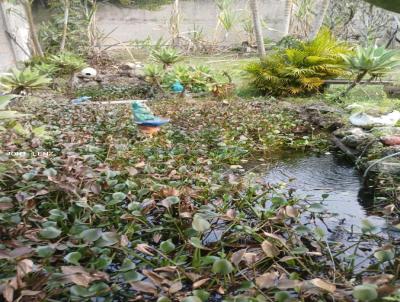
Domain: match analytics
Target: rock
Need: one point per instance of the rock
(385, 131)
(355, 141)
(131, 70)
(127, 66)
(391, 167)
(392, 91)
(391, 140)
(367, 121)
(342, 132)
(391, 150)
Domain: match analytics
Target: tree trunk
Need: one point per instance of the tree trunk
(257, 28)
(37, 48)
(287, 17)
(357, 81)
(65, 27)
(319, 17)
(174, 23)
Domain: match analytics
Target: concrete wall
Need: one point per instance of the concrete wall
(130, 23)
(14, 36)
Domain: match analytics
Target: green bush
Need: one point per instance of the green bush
(194, 79)
(300, 70)
(21, 80)
(166, 56)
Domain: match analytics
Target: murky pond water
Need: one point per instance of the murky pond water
(313, 176)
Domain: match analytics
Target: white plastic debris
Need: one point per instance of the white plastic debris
(364, 120)
(89, 72)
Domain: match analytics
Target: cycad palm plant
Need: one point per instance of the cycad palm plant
(302, 69)
(373, 60)
(166, 56)
(27, 79)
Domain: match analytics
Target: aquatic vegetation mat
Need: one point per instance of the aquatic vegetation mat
(91, 210)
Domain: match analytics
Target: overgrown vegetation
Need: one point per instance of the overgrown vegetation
(91, 209)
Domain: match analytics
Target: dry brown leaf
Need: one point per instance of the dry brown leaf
(132, 171)
(144, 287)
(187, 215)
(20, 252)
(78, 275)
(269, 249)
(378, 279)
(8, 293)
(140, 165)
(28, 293)
(124, 241)
(175, 287)
(4, 206)
(193, 276)
(273, 236)
(24, 267)
(237, 257)
(389, 209)
(250, 258)
(267, 280)
(155, 278)
(200, 283)
(144, 248)
(168, 269)
(329, 287)
(291, 211)
(285, 283)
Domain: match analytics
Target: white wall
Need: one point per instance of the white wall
(14, 35)
(130, 23)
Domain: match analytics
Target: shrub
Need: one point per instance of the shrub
(67, 62)
(194, 79)
(166, 56)
(299, 70)
(20, 80)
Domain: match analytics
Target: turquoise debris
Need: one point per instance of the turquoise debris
(142, 115)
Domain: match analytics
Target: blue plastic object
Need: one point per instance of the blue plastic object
(80, 100)
(177, 87)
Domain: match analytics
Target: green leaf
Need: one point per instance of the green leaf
(167, 246)
(192, 299)
(316, 208)
(163, 299)
(73, 258)
(50, 172)
(118, 196)
(127, 265)
(80, 291)
(384, 255)
(367, 226)
(57, 215)
(200, 224)
(90, 235)
(50, 233)
(5, 100)
(44, 251)
(202, 294)
(196, 242)
(222, 266)
(282, 296)
(107, 239)
(98, 208)
(366, 292)
(131, 276)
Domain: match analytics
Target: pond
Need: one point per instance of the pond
(314, 176)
